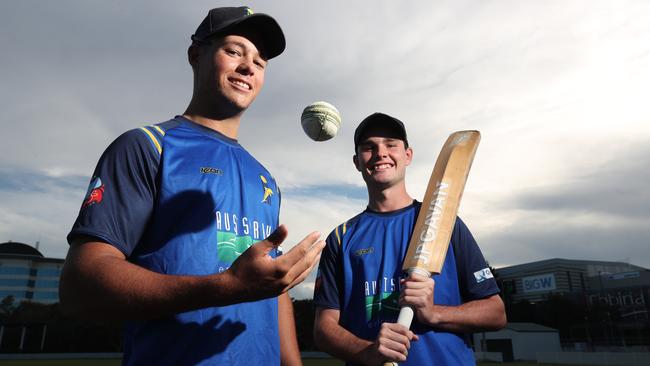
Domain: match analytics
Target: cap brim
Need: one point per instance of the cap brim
(379, 119)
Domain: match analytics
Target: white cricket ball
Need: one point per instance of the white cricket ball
(320, 121)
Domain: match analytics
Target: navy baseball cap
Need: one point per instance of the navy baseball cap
(221, 20)
(377, 119)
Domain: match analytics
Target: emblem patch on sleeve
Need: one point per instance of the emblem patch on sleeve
(483, 275)
(95, 192)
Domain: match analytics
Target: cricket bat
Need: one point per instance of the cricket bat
(430, 239)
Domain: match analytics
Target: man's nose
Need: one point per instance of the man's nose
(382, 151)
(246, 67)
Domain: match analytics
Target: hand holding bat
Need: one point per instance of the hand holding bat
(417, 293)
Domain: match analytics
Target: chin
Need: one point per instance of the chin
(235, 105)
(241, 103)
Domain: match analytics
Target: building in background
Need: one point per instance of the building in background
(26, 274)
(518, 341)
(536, 280)
(593, 303)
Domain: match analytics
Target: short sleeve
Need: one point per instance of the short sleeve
(121, 194)
(475, 278)
(328, 277)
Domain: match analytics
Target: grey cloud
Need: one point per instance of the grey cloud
(528, 240)
(337, 190)
(618, 187)
(25, 180)
(76, 74)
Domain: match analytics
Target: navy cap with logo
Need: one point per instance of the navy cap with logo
(380, 119)
(221, 20)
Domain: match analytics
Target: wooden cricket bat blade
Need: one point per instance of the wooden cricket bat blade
(430, 239)
(432, 231)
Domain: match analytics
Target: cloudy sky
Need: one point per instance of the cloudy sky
(558, 90)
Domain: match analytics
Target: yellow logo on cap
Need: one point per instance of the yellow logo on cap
(249, 11)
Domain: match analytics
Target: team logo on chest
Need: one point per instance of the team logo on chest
(382, 298)
(267, 192)
(211, 170)
(364, 251)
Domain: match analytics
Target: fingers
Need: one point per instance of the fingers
(277, 236)
(394, 341)
(399, 329)
(415, 284)
(417, 292)
(301, 277)
(301, 269)
(307, 247)
(417, 281)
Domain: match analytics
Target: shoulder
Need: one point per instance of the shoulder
(151, 136)
(463, 242)
(145, 139)
(340, 231)
(460, 228)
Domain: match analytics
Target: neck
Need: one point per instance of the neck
(223, 121)
(388, 199)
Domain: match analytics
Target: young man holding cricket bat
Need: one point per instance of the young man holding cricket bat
(179, 230)
(360, 285)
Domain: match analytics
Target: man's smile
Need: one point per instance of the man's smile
(240, 84)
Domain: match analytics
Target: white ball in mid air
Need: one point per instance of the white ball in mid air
(320, 121)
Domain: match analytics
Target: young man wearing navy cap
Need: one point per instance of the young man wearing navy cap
(179, 231)
(359, 286)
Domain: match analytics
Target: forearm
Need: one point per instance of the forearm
(473, 316)
(289, 351)
(98, 284)
(339, 342)
(98, 281)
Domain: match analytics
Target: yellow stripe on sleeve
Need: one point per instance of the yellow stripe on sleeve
(160, 130)
(336, 231)
(153, 139)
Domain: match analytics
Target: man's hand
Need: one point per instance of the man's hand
(392, 345)
(256, 275)
(417, 292)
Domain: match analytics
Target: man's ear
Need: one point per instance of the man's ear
(409, 155)
(193, 55)
(355, 160)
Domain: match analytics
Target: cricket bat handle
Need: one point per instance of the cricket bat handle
(406, 313)
(405, 318)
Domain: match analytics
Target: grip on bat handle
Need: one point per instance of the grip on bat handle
(404, 318)
(406, 313)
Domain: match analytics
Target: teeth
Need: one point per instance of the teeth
(381, 166)
(242, 84)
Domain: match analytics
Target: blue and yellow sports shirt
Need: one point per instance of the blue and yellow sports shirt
(361, 267)
(181, 199)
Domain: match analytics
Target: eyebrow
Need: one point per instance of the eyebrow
(245, 47)
(383, 139)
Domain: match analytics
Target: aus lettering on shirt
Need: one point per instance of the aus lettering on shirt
(257, 230)
(386, 285)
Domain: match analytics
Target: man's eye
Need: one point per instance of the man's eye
(260, 64)
(233, 52)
